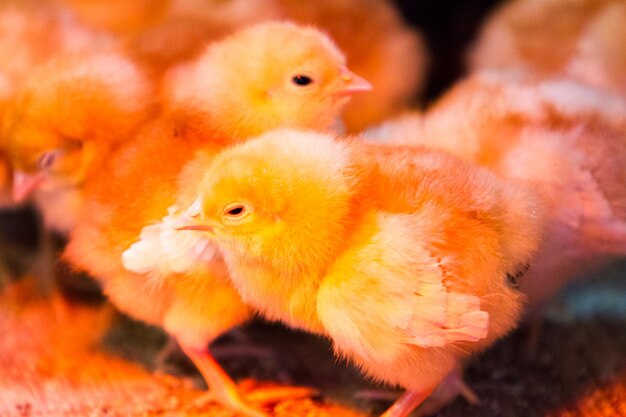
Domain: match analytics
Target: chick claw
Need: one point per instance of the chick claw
(258, 396)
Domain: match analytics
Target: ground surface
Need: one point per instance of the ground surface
(83, 360)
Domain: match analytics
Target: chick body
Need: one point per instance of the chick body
(581, 39)
(31, 34)
(398, 254)
(566, 139)
(64, 122)
(238, 87)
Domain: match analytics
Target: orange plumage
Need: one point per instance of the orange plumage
(378, 44)
(31, 34)
(64, 121)
(581, 39)
(565, 138)
(399, 254)
(265, 76)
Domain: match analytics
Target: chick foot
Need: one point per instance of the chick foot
(225, 392)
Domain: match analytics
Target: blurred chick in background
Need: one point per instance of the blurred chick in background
(582, 39)
(263, 77)
(163, 33)
(401, 255)
(565, 138)
(64, 122)
(377, 43)
(31, 34)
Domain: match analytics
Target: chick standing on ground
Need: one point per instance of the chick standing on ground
(399, 254)
(267, 76)
(581, 39)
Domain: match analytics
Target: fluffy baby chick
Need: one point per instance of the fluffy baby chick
(566, 139)
(378, 45)
(399, 254)
(583, 39)
(160, 34)
(31, 33)
(63, 123)
(294, 76)
(266, 76)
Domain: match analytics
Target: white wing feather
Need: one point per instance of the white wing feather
(161, 249)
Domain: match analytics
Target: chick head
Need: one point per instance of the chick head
(271, 75)
(285, 192)
(68, 115)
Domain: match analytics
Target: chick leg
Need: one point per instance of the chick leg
(224, 391)
(447, 390)
(407, 403)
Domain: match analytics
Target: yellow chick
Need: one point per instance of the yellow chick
(63, 123)
(581, 39)
(378, 45)
(31, 33)
(266, 76)
(296, 77)
(564, 138)
(377, 42)
(401, 255)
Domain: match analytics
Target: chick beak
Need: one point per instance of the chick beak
(352, 84)
(24, 184)
(198, 227)
(191, 219)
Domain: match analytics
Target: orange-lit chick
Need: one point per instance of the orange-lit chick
(399, 254)
(31, 33)
(378, 45)
(119, 16)
(583, 39)
(263, 77)
(63, 123)
(161, 33)
(294, 76)
(567, 140)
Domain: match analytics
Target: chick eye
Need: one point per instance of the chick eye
(236, 211)
(301, 80)
(47, 159)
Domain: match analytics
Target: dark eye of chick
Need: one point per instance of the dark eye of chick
(301, 80)
(236, 211)
(46, 159)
